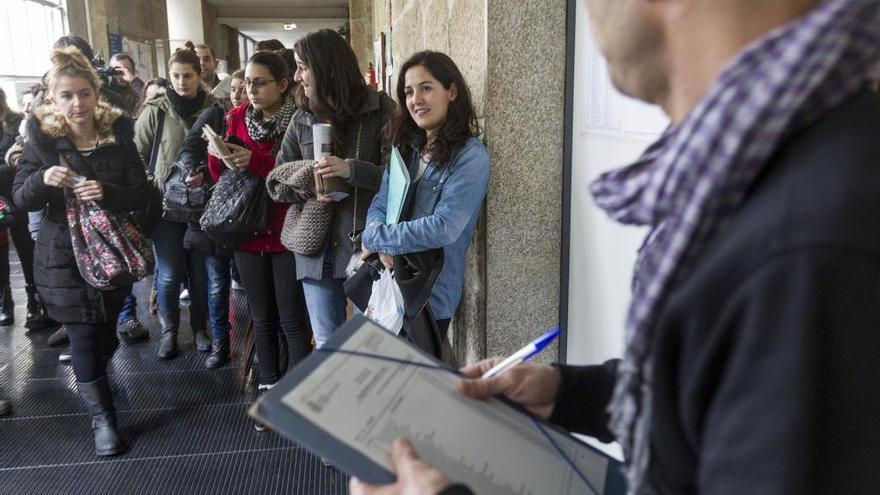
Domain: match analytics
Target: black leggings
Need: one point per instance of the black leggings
(24, 246)
(276, 300)
(92, 344)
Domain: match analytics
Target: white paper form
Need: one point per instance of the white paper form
(367, 402)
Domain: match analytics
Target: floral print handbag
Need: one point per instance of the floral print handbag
(110, 251)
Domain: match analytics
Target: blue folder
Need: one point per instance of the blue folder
(398, 186)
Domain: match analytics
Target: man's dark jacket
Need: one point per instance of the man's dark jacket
(767, 355)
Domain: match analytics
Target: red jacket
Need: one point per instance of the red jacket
(262, 162)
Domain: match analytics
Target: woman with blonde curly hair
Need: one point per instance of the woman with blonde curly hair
(77, 122)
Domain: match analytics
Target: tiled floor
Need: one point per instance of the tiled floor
(185, 425)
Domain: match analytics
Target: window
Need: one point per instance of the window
(246, 48)
(28, 29)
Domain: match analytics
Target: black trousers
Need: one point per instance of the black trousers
(24, 246)
(276, 301)
(92, 344)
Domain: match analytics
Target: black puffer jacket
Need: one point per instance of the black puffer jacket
(117, 166)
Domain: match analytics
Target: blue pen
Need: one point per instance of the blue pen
(523, 354)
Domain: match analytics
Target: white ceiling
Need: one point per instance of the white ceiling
(256, 4)
(265, 19)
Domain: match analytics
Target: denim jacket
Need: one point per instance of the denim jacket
(447, 204)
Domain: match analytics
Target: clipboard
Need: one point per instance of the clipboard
(284, 419)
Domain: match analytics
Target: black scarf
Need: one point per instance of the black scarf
(185, 107)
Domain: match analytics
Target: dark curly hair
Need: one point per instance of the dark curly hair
(461, 118)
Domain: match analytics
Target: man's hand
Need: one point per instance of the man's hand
(332, 166)
(414, 477)
(533, 386)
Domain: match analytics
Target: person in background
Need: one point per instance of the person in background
(266, 268)
(333, 92)
(149, 90)
(77, 121)
(179, 105)
(238, 91)
(108, 94)
(10, 123)
(124, 73)
(750, 363)
(216, 83)
(123, 65)
(436, 132)
(129, 70)
(269, 45)
(193, 157)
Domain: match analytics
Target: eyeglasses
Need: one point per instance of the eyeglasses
(257, 83)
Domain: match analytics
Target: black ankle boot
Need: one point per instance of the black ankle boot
(7, 307)
(219, 354)
(168, 340)
(199, 324)
(5, 407)
(37, 317)
(99, 401)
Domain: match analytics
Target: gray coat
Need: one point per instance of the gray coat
(366, 177)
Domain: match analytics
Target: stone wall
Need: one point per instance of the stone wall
(143, 20)
(524, 122)
(361, 22)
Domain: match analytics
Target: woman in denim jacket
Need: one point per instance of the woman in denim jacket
(436, 133)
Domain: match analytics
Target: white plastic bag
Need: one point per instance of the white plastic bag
(386, 303)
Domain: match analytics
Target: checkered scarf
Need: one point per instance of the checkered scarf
(265, 130)
(689, 181)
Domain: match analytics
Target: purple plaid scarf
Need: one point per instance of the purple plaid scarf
(689, 181)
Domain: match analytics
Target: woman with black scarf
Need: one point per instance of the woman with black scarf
(177, 107)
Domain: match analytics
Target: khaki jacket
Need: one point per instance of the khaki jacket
(175, 130)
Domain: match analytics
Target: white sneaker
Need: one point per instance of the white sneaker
(184, 295)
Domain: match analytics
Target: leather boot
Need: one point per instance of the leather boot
(5, 407)
(99, 401)
(7, 306)
(219, 354)
(37, 317)
(198, 322)
(168, 340)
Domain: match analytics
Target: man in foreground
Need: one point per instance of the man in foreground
(752, 337)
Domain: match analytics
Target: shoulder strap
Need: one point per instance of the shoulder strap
(74, 160)
(157, 140)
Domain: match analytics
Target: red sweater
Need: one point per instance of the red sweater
(262, 162)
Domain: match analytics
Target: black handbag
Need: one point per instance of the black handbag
(182, 203)
(148, 217)
(237, 208)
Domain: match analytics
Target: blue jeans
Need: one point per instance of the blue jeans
(129, 309)
(217, 268)
(176, 264)
(325, 300)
